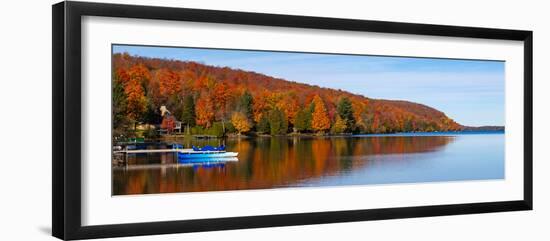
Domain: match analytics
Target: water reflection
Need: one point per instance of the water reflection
(271, 162)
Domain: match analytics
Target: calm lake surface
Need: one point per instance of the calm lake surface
(319, 161)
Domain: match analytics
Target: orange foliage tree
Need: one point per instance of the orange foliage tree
(205, 111)
(169, 82)
(134, 80)
(136, 101)
(320, 121)
(121, 75)
(221, 96)
(140, 73)
(260, 106)
(289, 105)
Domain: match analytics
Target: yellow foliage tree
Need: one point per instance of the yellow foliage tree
(241, 123)
(339, 126)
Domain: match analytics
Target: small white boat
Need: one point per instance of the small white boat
(205, 152)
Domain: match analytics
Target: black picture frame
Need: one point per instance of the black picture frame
(66, 127)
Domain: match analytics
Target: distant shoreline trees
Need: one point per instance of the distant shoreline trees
(224, 100)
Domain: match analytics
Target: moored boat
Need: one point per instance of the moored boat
(205, 152)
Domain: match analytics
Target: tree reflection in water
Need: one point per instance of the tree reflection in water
(268, 163)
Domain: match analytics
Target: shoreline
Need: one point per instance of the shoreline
(312, 135)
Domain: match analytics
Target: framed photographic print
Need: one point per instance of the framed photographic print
(170, 120)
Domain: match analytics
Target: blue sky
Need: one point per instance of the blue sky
(469, 91)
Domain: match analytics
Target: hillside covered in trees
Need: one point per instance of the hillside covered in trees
(206, 98)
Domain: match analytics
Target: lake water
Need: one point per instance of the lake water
(280, 162)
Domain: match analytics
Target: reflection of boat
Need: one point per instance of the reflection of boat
(194, 163)
(191, 154)
(207, 161)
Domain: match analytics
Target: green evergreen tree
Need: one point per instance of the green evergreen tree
(151, 114)
(263, 125)
(245, 104)
(119, 105)
(303, 120)
(408, 127)
(188, 113)
(309, 116)
(345, 111)
(217, 129)
(278, 123)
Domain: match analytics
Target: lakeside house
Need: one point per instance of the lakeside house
(169, 123)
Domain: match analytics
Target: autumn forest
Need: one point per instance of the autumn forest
(221, 101)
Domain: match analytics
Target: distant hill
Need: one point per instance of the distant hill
(483, 128)
(145, 84)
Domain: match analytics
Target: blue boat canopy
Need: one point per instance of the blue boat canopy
(209, 148)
